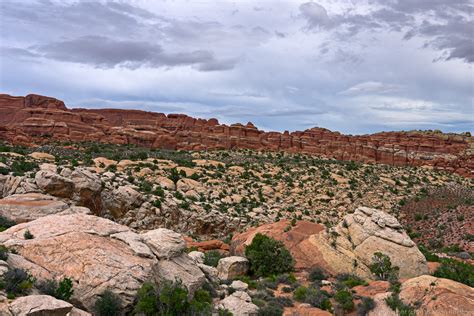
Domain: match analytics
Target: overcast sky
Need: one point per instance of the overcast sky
(353, 66)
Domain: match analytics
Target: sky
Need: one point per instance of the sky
(352, 66)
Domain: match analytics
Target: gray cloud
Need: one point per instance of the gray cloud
(446, 25)
(103, 52)
(353, 66)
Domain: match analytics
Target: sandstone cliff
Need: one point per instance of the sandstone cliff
(38, 119)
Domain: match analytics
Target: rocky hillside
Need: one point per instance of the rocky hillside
(40, 119)
(205, 194)
(101, 229)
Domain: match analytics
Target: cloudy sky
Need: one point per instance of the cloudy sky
(349, 65)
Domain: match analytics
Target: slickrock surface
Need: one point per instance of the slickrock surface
(295, 239)
(355, 239)
(40, 119)
(434, 296)
(350, 246)
(98, 254)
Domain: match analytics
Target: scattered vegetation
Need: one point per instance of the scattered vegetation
(171, 298)
(382, 268)
(16, 282)
(5, 223)
(28, 235)
(268, 256)
(62, 290)
(108, 304)
(212, 257)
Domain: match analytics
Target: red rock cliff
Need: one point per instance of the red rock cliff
(37, 119)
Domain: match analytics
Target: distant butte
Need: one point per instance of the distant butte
(39, 119)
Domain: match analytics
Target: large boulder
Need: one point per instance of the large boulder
(38, 305)
(184, 268)
(16, 185)
(231, 267)
(185, 185)
(438, 296)
(350, 246)
(294, 237)
(87, 189)
(30, 206)
(54, 184)
(164, 243)
(42, 156)
(239, 303)
(121, 200)
(97, 254)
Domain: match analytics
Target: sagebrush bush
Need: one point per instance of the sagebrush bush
(171, 298)
(17, 282)
(456, 270)
(268, 256)
(28, 235)
(316, 274)
(344, 299)
(108, 304)
(350, 280)
(3, 253)
(313, 296)
(212, 257)
(365, 306)
(62, 290)
(5, 223)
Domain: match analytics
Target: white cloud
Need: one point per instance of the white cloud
(371, 87)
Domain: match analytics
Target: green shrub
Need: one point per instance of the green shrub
(201, 304)
(318, 298)
(270, 310)
(62, 291)
(174, 175)
(171, 298)
(19, 167)
(5, 223)
(396, 304)
(344, 298)
(17, 282)
(382, 268)
(268, 256)
(147, 300)
(350, 280)
(28, 235)
(108, 304)
(428, 254)
(365, 306)
(223, 312)
(3, 253)
(456, 270)
(4, 171)
(300, 293)
(286, 278)
(314, 296)
(317, 274)
(212, 257)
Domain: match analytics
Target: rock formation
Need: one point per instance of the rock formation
(80, 190)
(348, 247)
(40, 119)
(432, 296)
(98, 254)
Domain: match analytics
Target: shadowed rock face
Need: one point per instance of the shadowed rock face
(39, 119)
